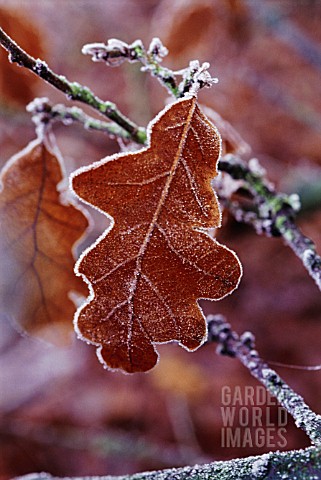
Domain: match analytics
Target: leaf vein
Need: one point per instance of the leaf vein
(161, 298)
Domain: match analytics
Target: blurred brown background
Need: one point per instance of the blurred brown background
(61, 412)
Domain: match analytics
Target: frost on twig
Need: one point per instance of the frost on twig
(195, 77)
(243, 348)
(73, 90)
(115, 52)
(44, 112)
(300, 464)
(271, 212)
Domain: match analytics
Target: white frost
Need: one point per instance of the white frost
(260, 466)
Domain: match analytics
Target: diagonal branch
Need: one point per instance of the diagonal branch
(273, 212)
(115, 52)
(304, 464)
(300, 464)
(243, 348)
(43, 112)
(73, 90)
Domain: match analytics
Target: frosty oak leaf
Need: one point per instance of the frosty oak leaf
(147, 271)
(38, 232)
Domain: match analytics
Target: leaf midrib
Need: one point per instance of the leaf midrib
(153, 223)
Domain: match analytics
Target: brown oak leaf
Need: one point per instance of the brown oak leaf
(38, 231)
(147, 271)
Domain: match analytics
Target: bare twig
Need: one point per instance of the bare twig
(115, 52)
(44, 112)
(303, 464)
(273, 212)
(73, 90)
(243, 348)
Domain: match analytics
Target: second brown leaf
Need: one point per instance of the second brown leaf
(38, 232)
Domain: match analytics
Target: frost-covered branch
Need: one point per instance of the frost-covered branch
(43, 111)
(73, 90)
(115, 52)
(272, 213)
(243, 348)
(302, 464)
(193, 78)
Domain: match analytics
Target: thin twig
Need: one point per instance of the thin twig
(115, 52)
(273, 212)
(243, 348)
(44, 112)
(73, 90)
